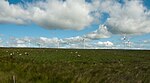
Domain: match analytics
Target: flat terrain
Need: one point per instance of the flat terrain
(28, 65)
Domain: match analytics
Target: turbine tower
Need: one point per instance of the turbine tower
(68, 44)
(58, 44)
(39, 45)
(1, 42)
(107, 45)
(129, 43)
(83, 43)
(124, 40)
(29, 43)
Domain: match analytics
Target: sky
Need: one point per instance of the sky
(91, 24)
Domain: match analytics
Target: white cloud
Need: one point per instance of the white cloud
(74, 42)
(20, 45)
(107, 43)
(76, 39)
(52, 14)
(48, 40)
(12, 13)
(129, 18)
(146, 41)
(101, 32)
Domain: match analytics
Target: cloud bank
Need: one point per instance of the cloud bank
(79, 42)
(130, 17)
(52, 14)
(44, 42)
(101, 32)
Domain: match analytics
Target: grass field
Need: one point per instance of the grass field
(24, 65)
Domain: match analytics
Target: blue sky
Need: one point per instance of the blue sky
(37, 29)
(34, 30)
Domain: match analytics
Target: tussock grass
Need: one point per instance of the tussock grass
(30, 65)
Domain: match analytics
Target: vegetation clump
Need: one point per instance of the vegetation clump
(29, 65)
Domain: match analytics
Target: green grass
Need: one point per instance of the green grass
(74, 66)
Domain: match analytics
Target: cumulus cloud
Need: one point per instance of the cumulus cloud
(48, 40)
(16, 42)
(101, 32)
(76, 39)
(50, 14)
(132, 17)
(13, 13)
(107, 43)
(73, 42)
(146, 41)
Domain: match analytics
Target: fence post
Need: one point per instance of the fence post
(14, 79)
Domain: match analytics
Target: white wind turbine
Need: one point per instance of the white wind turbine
(11, 41)
(39, 45)
(124, 40)
(68, 44)
(83, 40)
(28, 43)
(1, 40)
(107, 45)
(58, 43)
(129, 43)
(83, 43)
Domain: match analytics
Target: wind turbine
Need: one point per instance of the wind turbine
(1, 41)
(58, 44)
(28, 42)
(129, 43)
(39, 45)
(83, 43)
(107, 45)
(124, 40)
(11, 41)
(68, 44)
